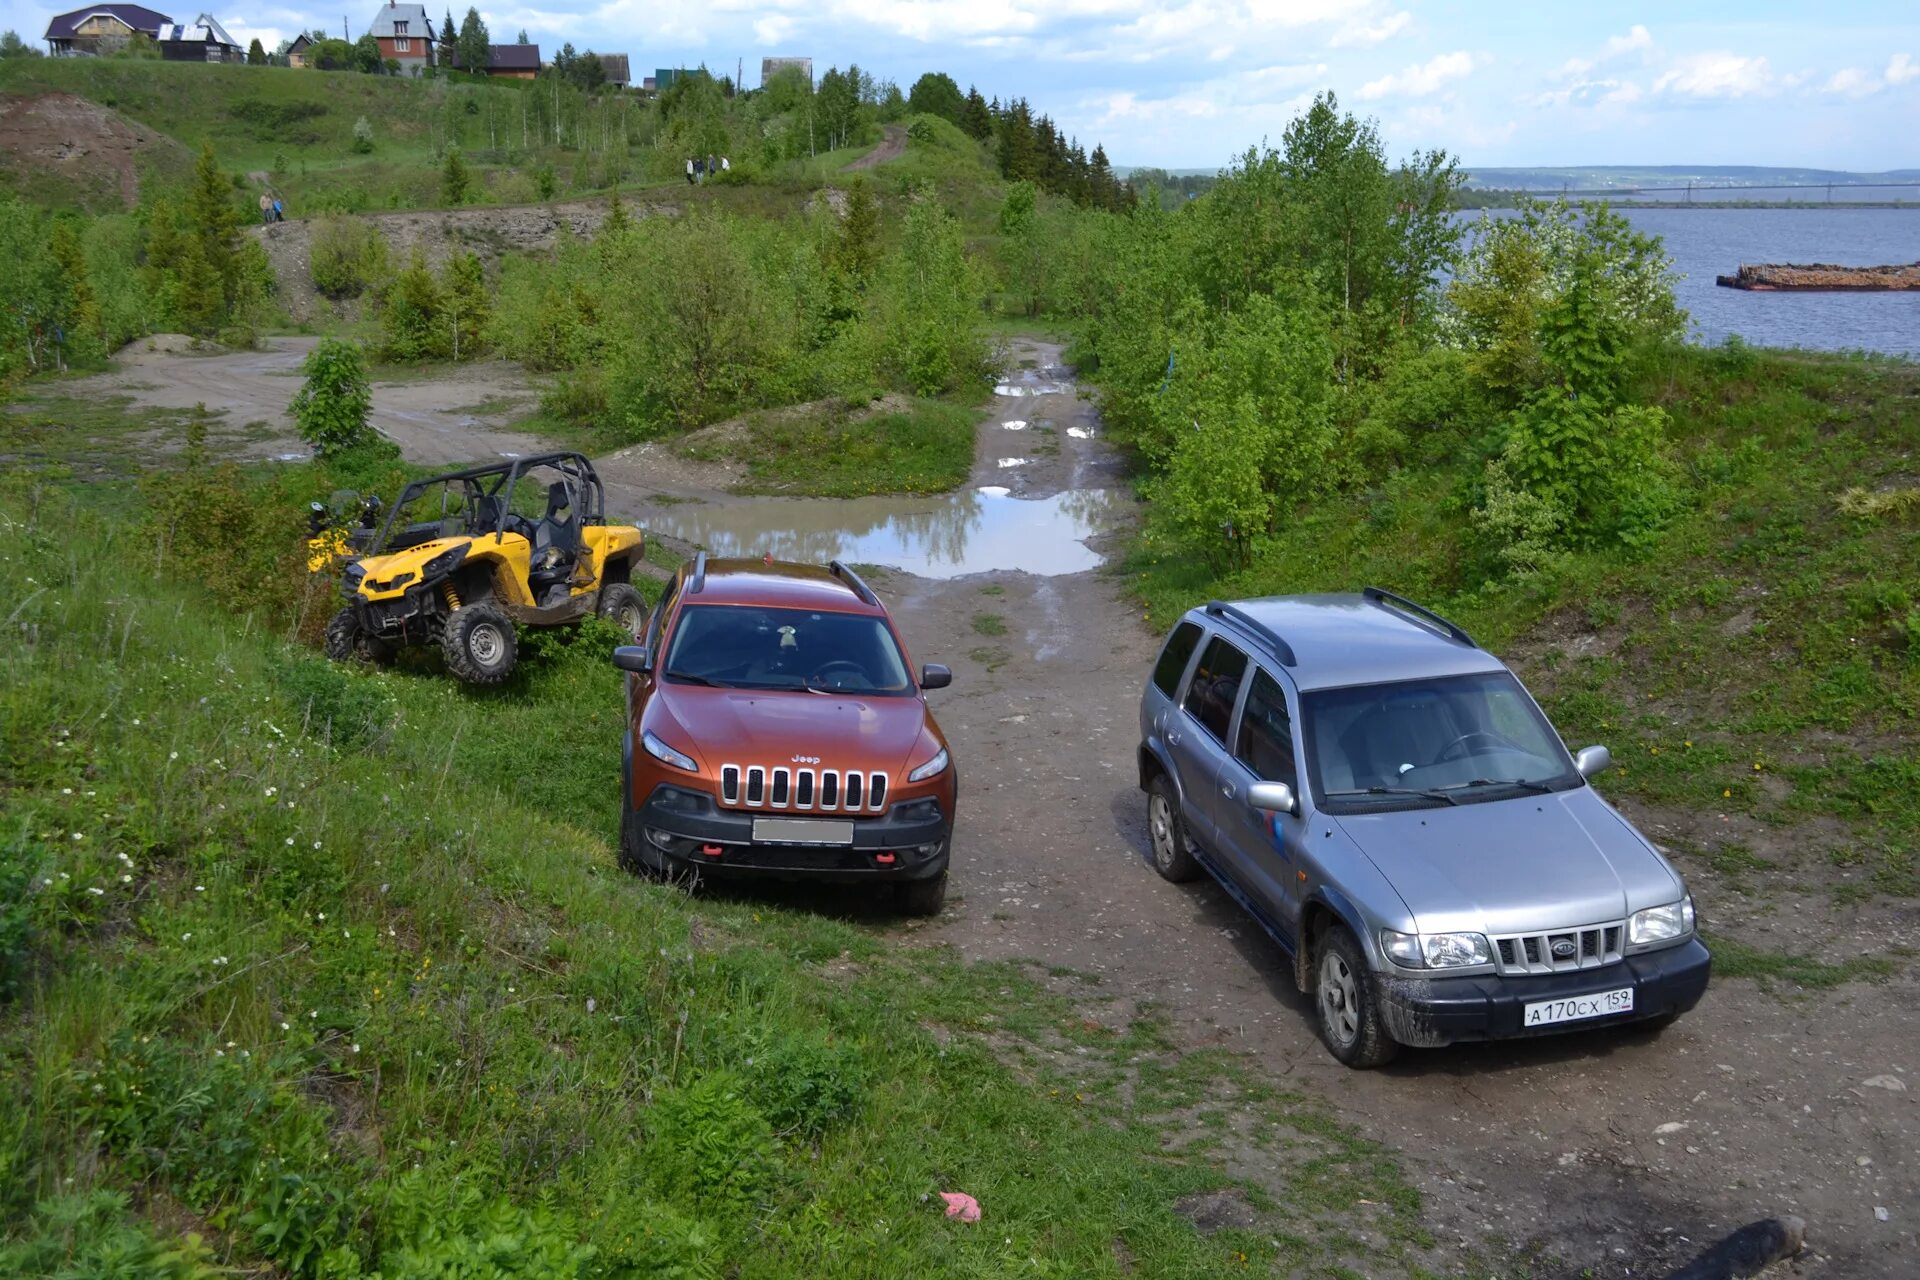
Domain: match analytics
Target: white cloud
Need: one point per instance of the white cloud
(1361, 34)
(1603, 92)
(1852, 82)
(1902, 68)
(1637, 40)
(1716, 75)
(1420, 80)
(773, 29)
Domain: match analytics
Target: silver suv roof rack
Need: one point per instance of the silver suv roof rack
(1281, 649)
(1388, 600)
(853, 580)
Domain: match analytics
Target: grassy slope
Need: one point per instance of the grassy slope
(283, 934)
(926, 446)
(1761, 658)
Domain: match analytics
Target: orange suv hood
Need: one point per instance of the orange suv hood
(794, 730)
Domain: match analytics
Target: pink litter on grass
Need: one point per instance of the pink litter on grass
(961, 1205)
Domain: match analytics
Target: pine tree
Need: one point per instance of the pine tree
(454, 179)
(256, 55)
(975, 117)
(617, 219)
(413, 324)
(199, 294)
(856, 249)
(211, 222)
(80, 310)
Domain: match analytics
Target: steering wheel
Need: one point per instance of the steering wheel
(818, 674)
(1458, 747)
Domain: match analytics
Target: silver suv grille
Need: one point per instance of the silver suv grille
(1560, 950)
(756, 786)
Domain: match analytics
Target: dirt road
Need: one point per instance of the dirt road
(893, 143)
(1615, 1152)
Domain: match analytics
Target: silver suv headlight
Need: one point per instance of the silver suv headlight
(1661, 924)
(1436, 950)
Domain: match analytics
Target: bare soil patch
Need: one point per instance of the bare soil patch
(893, 145)
(82, 144)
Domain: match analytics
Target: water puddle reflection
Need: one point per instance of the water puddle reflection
(1018, 424)
(981, 530)
(1030, 388)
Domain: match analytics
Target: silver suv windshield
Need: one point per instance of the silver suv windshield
(1419, 743)
(745, 647)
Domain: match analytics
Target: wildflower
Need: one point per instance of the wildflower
(66, 791)
(270, 791)
(126, 879)
(356, 1048)
(199, 888)
(136, 722)
(81, 835)
(98, 893)
(320, 915)
(286, 1026)
(316, 844)
(289, 842)
(173, 755)
(219, 960)
(313, 1013)
(186, 937)
(232, 1045)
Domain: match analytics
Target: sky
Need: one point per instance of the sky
(1192, 83)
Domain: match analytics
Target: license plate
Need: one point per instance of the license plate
(801, 831)
(1543, 1013)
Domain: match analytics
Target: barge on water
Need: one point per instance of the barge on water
(1768, 277)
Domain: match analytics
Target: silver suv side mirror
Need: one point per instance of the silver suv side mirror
(1592, 760)
(1277, 797)
(632, 657)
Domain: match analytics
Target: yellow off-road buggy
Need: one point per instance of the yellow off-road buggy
(460, 558)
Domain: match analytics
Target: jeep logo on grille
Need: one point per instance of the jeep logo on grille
(806, 760)
(1563, 948)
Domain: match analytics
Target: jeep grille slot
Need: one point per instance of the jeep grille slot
(755, 786)
(1560, 950)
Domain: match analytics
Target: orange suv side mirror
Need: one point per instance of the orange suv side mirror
(935, 676)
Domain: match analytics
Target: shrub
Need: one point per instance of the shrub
(331, 406)
(412, 324)
(804, 1084)
(362, 136)
(348, 256)
(339, 706)
(454, 179)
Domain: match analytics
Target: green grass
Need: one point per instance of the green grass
(317, 961)
(1733, 959)
(989, 624)
(843, 453)
(1761, 657)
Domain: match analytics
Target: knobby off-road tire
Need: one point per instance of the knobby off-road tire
(346, 642)
(921, 897)
(1167, 833)
(479, 644)
(620, 603)
(1346, 1005)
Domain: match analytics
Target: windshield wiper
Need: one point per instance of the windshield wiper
(1530, 784)
(701, 680)
(1396, 791)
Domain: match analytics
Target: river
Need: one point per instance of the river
(1705, 243)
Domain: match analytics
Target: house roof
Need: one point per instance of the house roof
(135, 16)
(301, 41)
(414, 15)
(514, 57)
(204, 29)
(616, 67)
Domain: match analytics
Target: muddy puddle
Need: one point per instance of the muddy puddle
(978, 530)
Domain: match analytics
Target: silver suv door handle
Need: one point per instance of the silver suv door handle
(1226, 789)
(1173, 737)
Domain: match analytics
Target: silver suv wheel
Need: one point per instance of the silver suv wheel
(1339, 1000)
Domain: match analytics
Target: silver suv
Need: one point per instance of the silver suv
(1390, 804)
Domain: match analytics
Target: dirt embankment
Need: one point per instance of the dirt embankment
(438, 234)
(79, 144)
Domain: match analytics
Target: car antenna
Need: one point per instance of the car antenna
(699, 582)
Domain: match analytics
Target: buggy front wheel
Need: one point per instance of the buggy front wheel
(479, 644)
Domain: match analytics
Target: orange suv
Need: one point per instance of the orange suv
(775, 729)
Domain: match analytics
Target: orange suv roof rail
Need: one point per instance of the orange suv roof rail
(698, 583)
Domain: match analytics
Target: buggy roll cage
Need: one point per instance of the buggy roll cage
(589, 498)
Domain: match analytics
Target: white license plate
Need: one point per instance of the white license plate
(1543, 1013)
(801, 831)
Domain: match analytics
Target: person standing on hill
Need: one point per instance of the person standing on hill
(279, 210)
(266, 207)
(689, 170)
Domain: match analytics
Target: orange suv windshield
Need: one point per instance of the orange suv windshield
(745, 647)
